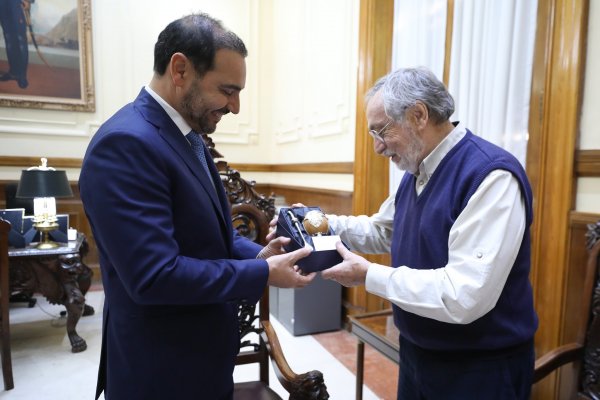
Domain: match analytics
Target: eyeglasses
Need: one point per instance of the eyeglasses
(380, 134)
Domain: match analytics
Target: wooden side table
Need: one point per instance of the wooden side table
(60, 275)
(378, 330)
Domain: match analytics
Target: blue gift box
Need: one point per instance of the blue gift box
(15, 217)
(324, 254)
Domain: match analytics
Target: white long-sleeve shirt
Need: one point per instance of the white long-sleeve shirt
(482, 246)
(366, 234)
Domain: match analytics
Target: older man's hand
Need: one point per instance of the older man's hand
(350, 272)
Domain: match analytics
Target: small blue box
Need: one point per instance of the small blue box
(15, 217)
(324, 254)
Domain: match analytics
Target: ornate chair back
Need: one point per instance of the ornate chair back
(251, 213)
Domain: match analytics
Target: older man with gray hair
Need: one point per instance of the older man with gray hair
(460, 247)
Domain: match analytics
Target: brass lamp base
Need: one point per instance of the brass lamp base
(45, 228)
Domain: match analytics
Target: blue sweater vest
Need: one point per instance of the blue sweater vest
(420, 241)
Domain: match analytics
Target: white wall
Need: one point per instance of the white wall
(588, 189)
(299, 101)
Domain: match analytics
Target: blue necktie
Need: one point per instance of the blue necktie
(197, 144)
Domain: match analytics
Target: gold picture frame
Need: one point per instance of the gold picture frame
(59, 70)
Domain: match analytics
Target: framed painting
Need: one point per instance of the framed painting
(46, 54)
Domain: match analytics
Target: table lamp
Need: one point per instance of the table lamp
(44, 184)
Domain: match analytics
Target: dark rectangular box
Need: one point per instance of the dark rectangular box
(324, 255)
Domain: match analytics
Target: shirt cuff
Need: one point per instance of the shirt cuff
(377, 279)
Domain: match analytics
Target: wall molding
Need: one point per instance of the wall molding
(346, 194)
(587, 163)
(319, 168)
(36, 131)
(329, 200)
(55, 162)
(579, 219)
(47, 127)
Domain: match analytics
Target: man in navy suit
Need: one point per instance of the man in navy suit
(173, 267)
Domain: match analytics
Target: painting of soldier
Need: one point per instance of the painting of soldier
(45, 54)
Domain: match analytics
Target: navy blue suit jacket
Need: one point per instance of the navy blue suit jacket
(172, 265)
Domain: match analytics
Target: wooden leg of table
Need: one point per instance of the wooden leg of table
(72, 269)
(74, 305)
(360, 363)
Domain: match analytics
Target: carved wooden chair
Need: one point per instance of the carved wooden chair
(585, 351)
(4, 295)
(251, 213)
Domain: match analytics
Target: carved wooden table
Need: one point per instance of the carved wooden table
(60, 275)
(378, 330)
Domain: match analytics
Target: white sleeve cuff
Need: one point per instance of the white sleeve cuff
(378, 277)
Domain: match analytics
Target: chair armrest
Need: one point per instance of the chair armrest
(556, 358)
(307, 386)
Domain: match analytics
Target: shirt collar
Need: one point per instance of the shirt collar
(431, 162)
(183, 126)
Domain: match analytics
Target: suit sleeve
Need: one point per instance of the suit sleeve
(244, 248)
(125, 185)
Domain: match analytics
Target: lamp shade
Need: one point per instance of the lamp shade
(43, 183)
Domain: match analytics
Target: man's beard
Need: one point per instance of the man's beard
(410, 160)
(193, 110)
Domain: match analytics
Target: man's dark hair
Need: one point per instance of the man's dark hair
(198, 36)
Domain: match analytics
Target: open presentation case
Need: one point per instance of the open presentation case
(290, 223)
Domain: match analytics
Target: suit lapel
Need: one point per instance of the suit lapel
(156, 115)
(220, 190)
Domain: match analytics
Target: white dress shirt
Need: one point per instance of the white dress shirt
(367, 234)
(482, 247)
(183, 126)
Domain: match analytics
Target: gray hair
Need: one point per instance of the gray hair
(376, 88)
(404, 87)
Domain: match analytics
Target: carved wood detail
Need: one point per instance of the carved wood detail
(248, 323)
(62, 278)
(590, 375)
(251, 213)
